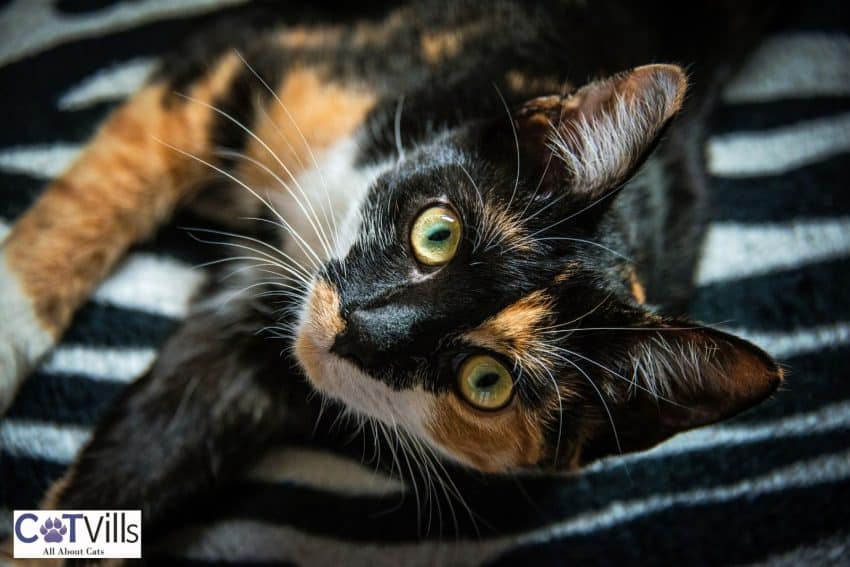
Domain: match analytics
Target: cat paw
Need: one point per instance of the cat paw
(23, 341)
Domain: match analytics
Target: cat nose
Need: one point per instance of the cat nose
(371, 336)
(355, 343)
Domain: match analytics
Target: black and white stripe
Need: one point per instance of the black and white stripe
(764, 488)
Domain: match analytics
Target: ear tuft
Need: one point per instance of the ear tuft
(710, 375)
(680, 378)
(606, 128)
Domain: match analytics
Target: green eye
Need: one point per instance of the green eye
(485, 383)
(435, 236)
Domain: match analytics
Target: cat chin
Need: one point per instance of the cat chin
(344, 382)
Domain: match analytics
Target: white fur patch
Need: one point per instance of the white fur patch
(22, 339)
(410, 409)
(338, 184)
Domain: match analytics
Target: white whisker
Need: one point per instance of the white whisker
(300, 133)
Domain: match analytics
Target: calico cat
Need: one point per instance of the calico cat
(476, 224)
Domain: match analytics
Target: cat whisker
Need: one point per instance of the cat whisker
(536, 191)
(602, 399)
(329, 217)
(480, 199)
(452, 491)
(276, 127)
(579, 318)
(246, 289)
(391, 442)
(239, 182)
(284, 256)
(256, 263)
(300, 134)
(403, 452)
(545, 207)
(555, 128)
(311, 216)
(397, 128)
(612, 372)
(321, 234)
(293, 271)
(626, 329)
(560, 416)
(424, 473)
(434, 483)
(592, 243)
(516, 141)
(607, 195)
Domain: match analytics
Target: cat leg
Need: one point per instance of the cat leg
(215, 397)
(130, 177)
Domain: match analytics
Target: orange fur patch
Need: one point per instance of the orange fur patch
(493, 442)
(312, 114)
(529, 85)
(637, 289)
(512, 331)
(309, 38)
(324, 324)
(117, 192)
(569, 271)
(504, 229)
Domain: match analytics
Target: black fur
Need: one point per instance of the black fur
(221, 391)
(218, 394)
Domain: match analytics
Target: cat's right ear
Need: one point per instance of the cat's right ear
(594, 139)
(674, 376)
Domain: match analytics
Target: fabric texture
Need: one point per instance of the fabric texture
(768, 487)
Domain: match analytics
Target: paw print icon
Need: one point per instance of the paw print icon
(53, 530)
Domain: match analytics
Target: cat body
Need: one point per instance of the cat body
(461, 239)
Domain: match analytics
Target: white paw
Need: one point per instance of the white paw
(23, 342)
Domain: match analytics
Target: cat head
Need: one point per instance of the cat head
(475, 307)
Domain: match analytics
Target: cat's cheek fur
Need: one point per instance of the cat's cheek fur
(23, 339)
(495, 442)
(338, 379)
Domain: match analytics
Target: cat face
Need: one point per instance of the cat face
(476, 308)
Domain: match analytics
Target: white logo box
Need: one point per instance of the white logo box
(77, 534)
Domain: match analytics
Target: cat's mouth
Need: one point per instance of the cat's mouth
(340, 379)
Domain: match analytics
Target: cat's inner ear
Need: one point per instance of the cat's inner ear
(677, 379)
(594, 139)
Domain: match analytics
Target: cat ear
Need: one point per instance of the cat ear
(602, 132)
(677, 379)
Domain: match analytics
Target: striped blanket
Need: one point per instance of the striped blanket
(772, 486)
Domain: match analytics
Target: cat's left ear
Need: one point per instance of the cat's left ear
(600, 134)
(675, 376)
